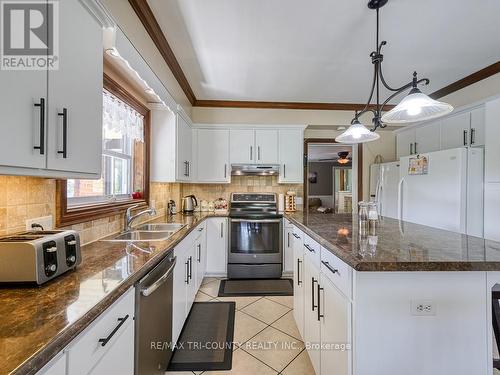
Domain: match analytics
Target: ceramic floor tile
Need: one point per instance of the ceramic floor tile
(301, 365)
(207, 280)
(202, 297)
(287, 324)
(244, 364)
(211, 288)
(241, 302)
(266, 310)
(284, 300)
(245, 327)
(274, 348)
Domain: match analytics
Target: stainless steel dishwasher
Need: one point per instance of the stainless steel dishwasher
(153, 312)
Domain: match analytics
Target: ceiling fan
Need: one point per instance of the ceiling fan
(343, 158)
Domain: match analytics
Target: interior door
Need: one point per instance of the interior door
(23, 120)
(266, 142)
(75, 94)
(213, 155)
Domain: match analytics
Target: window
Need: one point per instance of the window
(123, 130)
(125, 153)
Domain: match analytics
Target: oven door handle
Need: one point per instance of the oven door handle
(255, 220)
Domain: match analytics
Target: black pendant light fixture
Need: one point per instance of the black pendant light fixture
(416, 106)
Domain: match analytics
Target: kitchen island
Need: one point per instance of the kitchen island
(409, 300)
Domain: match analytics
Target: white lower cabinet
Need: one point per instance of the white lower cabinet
(217, 246)
(288, 248)
(312, 323)
(201, 255)
(298, 280)
(107, 345)
(57, 366)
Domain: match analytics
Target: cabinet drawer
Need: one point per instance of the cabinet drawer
(339, 273)
(86, 350)
(200, 230)
(312, 249)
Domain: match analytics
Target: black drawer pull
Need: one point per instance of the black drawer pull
(64, 115)
(309, 248)
(296, 236)
(41, 147)
(120, 323)
(332, 270)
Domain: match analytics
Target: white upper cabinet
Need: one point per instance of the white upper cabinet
(242, 146)
(266, 144)
(455, 131)
(492, 146)
(212, 155)
(477, 127)
(427, 139)
(32, 128)
(74, 110)
(291, 145)
(184, 147)
(405, 143)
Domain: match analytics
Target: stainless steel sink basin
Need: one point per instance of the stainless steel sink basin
(141, 235)
(161, 227)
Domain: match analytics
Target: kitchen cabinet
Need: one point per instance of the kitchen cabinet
(242, 146)
(200, 255)
(217, 246)
(288, 248)
(88, 355)
(298, 279)
(427, 138)
(455, 131)
(74, 116)
(312, 325)
(57, 366)
(492, 142)
(180, 281)
(492, 211)
(266, 144)
(212, 155)
(191, 272)
(477, 127)
(291, 156)
(33, 115)
(405, 142)
(254, 146)
(171, 146)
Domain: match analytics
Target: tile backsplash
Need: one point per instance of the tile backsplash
(23, 198)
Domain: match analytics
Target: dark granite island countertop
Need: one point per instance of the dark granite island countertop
(38, 322)
(398, 246)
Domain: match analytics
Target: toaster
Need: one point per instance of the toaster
(38, 256)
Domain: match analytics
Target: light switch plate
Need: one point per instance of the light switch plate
(45, 221)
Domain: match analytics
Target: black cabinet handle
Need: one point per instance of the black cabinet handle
(314, 281)
(41, 147)
(309, 248)
(465, 137)
(191, 268)
(472, 136)
(64, 115)
(187, 272)
(199, 253)
(319, 303)
(296, 236)
(298, 272)
(284, 170)
(332, 270)
(121, 321)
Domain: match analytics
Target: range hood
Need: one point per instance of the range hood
(254, 169)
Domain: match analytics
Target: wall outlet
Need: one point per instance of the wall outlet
(423, 308)
(45, 221)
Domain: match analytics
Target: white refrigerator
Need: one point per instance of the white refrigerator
(384, 179)
(449, 195)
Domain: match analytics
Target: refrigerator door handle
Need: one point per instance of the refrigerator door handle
(400, 205)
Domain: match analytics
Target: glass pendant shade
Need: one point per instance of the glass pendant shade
(357, 133)
(416, 106)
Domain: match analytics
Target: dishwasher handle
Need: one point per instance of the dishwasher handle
(150, 289)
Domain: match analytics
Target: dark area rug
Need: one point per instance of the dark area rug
(256, 287)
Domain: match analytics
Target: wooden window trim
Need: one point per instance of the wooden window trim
(66, 216)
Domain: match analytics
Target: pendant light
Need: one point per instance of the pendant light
(415, 107)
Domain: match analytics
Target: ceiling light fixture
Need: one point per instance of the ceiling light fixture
(415, 107)
(343, 157)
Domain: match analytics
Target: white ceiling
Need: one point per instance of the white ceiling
(318, 50)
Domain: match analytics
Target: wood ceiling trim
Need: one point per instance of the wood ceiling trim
(152, 27)
(467, 81)
(283, 105)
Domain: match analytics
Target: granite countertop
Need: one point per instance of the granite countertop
(37, 322)
(398, 246)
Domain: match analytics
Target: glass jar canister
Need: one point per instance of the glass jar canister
(363, 218)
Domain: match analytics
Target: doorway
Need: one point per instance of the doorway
(331, 176)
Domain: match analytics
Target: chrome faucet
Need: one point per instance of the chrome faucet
(129, 218)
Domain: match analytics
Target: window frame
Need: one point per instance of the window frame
(75, 215)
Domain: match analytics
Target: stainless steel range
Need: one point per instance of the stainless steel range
(255, 241)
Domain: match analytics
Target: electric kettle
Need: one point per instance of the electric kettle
(189, 202)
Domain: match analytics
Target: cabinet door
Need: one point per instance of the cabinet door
(312, 326)
(288, 250)
(477, 127)
(119, 359)
(179, 290)
(427, 138)
(217, 246)
(291, 156)
(242, 146)
(22, 118)
(405, 143)
(213, 155)
(455, 131)
(266, 142)
(75, 94)
(55, 366)
(201, 258)
(184, 150)
(492, 141)
(298, 281)
(192, 266)
(492, 211)
(335, 329)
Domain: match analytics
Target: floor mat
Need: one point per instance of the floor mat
(256, 287)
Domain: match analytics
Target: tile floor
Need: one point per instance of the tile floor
(259, 322)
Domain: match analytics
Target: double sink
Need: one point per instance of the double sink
(148, 232)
